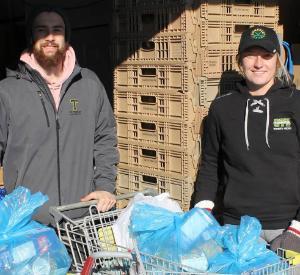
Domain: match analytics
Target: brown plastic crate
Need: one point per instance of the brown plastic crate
(154, 19)
(129, 180)
(210, 88)
(220, 33)
(121, 4)
(172, 135)
(174, 163)
(214, 61)
(182, 47)
(161, 77)
(158, 48)
(166, 104)
(172, 105)
(254, 10)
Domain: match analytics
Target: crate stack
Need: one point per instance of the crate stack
(170, 57)
(221, 25)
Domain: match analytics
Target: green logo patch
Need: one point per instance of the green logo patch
(74, 107)
(280, 124)
(258, 34)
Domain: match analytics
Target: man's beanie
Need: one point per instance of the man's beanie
(39, 9)
(259, 36)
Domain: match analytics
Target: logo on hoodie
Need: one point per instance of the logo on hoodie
(282, 124)
(74, 107)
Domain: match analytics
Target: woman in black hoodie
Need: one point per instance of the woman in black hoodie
(251, 144)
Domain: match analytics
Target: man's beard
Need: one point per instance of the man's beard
(50, 61)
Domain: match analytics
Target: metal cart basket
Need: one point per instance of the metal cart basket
(90, 242)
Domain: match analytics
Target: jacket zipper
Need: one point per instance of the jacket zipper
(44, 108)
(58, 156)
(57, 126)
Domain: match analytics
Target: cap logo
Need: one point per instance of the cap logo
(258, 34)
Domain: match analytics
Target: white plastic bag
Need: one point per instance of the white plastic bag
(120, 228)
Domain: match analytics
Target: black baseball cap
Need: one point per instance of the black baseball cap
(259, 36)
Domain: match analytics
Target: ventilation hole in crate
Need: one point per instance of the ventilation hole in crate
(150, 179)
(148, 71)
(149, 153)
(148, 46)
(148, 126)
(243, 2)
(148, 99)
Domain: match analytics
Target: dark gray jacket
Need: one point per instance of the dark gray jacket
(51, 151)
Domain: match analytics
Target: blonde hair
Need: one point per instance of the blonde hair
(281, 73)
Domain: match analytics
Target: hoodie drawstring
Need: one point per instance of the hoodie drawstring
(246, 121)
(267, 122)
(246, 124)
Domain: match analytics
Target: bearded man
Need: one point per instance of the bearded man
(57, 128)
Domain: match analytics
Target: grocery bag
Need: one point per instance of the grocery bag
(244, 250)
(186, 238)
(121, 226)
(28, 247)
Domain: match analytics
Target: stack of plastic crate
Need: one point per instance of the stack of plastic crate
(221, 24)
(170, 58)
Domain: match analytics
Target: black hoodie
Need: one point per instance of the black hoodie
(254, 141)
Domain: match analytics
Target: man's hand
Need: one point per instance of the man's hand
(289, 239)
(105, 199)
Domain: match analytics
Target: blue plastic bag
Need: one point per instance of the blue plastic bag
(26, 246)
(243, 248)
(174, 236)
(2, 193)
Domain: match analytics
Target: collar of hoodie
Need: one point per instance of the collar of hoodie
(257, 102)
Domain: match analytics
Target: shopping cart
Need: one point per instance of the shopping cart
(90, 242)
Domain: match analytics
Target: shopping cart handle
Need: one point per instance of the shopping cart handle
(56, 211)
(88, 266)
(112, 254)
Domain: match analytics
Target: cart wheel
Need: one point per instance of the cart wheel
(88, 266)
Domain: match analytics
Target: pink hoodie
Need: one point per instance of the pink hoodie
(55, 87)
